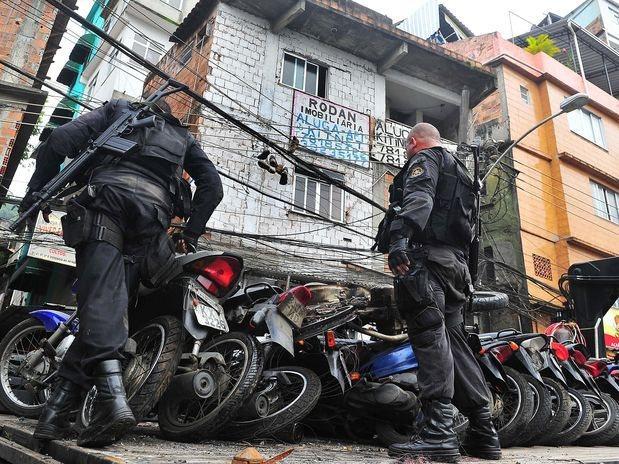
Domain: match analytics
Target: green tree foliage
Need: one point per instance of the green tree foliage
(542, 43)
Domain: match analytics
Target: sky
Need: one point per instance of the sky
(483, 16)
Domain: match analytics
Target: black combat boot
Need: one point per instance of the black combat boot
(481, 439)
(436, 440)
(54, 421)
(112, 417)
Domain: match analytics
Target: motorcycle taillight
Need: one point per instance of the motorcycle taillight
(560, 351)
(579, 358)
(301, 293)
(595, 368)
(502, 353)
(217, 274)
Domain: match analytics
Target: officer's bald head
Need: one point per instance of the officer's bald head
(420, 137)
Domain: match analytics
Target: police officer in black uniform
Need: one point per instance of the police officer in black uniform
(115, 222)
(429, 240)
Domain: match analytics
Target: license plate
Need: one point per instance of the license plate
(208, 311)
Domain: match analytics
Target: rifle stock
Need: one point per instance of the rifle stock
(109, 140)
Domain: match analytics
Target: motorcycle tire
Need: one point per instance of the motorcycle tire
(145, 389)
(605, 424)
(561, 407)
(173, 427)
(579, 421)
(489, 301)
(542, 410)
(301, 404)
(513, 408)
(22, 402)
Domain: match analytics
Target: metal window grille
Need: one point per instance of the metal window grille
(542, 267)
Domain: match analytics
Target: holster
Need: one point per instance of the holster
(81, 224)
(413, 290)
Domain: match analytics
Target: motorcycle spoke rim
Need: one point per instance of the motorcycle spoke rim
(150, 341)
(24, 343)
(601, 416)
(234, 370)
(575, 414)
(290, 395)
(512, 402)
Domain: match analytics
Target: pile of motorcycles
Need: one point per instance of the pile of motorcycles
(207, 359)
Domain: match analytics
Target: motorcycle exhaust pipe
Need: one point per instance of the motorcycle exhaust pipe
(198, 384)
(373, 333)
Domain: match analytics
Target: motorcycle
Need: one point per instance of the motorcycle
(284, 322)
(31, 352)
(209, 375)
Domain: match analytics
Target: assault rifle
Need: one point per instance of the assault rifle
(474, 248)
(110, 140)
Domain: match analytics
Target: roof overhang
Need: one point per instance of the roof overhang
(601, 62)
(364, 33)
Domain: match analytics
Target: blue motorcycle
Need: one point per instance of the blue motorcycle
(31, 352)
(381, 398)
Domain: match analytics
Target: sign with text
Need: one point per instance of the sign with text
(331, 129)
(390, 142)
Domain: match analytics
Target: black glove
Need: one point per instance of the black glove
(398, 259)
(185, 242)
(29, 199)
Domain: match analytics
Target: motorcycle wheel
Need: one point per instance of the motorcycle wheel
(280, 405)
(513, 408)
(542, 410)
(18, 393)
(561, 407)
(579, 421)
(605, 424)
(147, 375)
(193, 418)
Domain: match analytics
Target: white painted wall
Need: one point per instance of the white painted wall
(244, 45)
(122, 74)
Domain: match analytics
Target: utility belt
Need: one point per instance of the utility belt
(82, 225)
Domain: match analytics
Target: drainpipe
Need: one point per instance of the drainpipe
(582, 69)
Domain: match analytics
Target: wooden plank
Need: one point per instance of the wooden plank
(64, 451)
(14, 453)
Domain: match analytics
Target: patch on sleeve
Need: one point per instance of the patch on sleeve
(416, 171)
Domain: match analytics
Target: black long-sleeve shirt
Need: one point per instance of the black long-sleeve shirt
(420, 189)
(68, 140)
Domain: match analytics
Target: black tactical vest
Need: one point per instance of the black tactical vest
(453, 215)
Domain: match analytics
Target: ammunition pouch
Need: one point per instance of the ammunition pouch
(159, 265)
(82, 225)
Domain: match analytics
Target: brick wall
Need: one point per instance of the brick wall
(24, 32)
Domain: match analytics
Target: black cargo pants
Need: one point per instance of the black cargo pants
(108, 276)
(447, 366)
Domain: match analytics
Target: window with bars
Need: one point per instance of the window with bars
(300, 74)
(542, 267)
(605, 202)
(588, 125)
(312, 195)
(147, 49)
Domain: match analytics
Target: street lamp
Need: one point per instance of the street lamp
(569, 104)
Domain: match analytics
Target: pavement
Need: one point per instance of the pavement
(143, 446)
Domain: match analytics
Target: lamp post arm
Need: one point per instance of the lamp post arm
(516, 142)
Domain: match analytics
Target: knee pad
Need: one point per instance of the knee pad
(423, 326)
